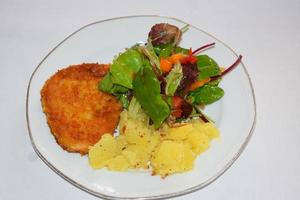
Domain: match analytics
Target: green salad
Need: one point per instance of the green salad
(170, 82)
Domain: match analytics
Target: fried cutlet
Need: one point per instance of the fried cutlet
(78, 113)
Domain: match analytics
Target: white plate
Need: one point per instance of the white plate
(100, 42)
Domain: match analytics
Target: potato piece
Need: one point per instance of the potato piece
(198, 141)
(121, 143)
(179, 133)
(171, 157)
(153, 142)
(118, 163)
(138, 136)
(102, 151)
(142, 155)
(123, 121)
(208, 129)
(211, 130)
(137, 133)
(131, 158)
(167, 150)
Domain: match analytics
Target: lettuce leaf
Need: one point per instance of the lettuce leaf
(125, 66)
(207, 67)
(146, 89)
(206, 94)
(173, 79)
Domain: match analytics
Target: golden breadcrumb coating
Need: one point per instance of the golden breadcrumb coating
(77, 112)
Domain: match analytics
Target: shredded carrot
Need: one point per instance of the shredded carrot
(165, 65)
(198, 84)
(178, 57)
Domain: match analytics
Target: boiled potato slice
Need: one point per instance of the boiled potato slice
(142, 155)
(208, 129)
(131, 158)
(121, 143)
(118, 163)
(139, 145)
(171, 157)
(179, 133)
(198, 142)
(103, 151)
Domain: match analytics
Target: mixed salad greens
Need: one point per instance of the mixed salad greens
(170, 82)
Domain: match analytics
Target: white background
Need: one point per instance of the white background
(266, 32)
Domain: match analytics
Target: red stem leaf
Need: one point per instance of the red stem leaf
(231, 67)
(203, 47)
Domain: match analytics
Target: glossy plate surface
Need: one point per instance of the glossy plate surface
(100, 42)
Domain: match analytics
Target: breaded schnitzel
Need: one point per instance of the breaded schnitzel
(77, 112)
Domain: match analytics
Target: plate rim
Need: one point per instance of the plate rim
(163, 196)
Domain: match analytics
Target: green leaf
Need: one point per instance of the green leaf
(207, 67)
(125, 67)
(124, 100)
(146, 89)
(206, 94)
(181, 50)
(163, 50)
(151, 55)
(173, 79)
(215, 82)
(118, 89)
(169, 100)
(106, 84)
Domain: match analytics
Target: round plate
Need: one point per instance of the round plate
(100, 42)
